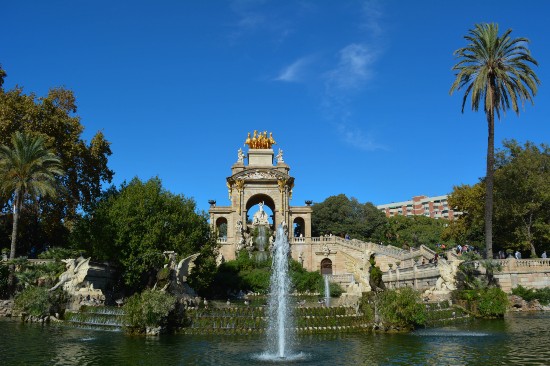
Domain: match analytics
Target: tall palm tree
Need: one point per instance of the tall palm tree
(496, 72)
(28, 168)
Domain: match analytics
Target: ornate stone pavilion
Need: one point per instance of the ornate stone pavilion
(259, 178)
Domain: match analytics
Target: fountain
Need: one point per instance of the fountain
(327, 291)
(280, 332)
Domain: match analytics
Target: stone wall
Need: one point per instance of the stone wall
(419, 277)
(529, 273)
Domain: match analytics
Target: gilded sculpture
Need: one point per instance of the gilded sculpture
(260, 140)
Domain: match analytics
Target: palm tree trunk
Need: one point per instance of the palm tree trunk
(16, 210)
(489, 183)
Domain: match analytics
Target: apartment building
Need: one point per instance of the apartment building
(434, 207)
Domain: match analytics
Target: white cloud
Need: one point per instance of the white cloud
(357, 138)
(294, 72)
(354, 68)
(371, 17)
(253, 17)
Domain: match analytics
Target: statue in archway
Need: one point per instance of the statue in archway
(260, 217)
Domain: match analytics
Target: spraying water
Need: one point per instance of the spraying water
(280, 332)
(327, 291)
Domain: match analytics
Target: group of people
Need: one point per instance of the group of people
(517, 254)
(460, 249)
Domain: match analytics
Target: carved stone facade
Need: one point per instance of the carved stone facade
(258, 182)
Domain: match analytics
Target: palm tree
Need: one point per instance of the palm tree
(26, 169)
(496, 72)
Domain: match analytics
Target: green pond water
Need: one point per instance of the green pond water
(519, 339)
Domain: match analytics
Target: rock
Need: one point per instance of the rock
(516, 302)
(153, 331)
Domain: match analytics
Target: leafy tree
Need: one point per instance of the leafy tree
(2, 76)
(136, 224)
(467, 227)
(495, 71)
(522, 197)
(339, 215)
(522, 201)
(413, 231)
(26, 169)
(54, 118)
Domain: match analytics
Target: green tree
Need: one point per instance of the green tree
(27, 169)
(468, 226)
(54, 118)
(522, 201)
(522, 195)
(495, 71)
(136, 224)
(414, 231)
(340, 215)
(2, 76)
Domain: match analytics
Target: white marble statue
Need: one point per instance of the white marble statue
(240, 156)
(280, 156)
(260, 217)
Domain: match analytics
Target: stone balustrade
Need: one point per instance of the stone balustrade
(343, 278)
(419, 277)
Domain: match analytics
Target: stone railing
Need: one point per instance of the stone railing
(40, 261)
(520, 264)
(341, 278)
(388, 250)
(530, 273)
(222, 240)
(420, 277)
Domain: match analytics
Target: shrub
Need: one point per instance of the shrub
(4, 288)
(527, 294)
(492, 302)
(401, 307)
(148, 309)
(60, 253)
(257, 279)
(484, 302)
(47, 273)
(34, 301)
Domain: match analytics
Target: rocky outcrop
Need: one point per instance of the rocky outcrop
(519, 304)
(6, 307)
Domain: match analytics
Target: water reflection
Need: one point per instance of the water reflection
(519, 339)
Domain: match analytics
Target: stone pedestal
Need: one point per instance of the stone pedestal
(260, 157)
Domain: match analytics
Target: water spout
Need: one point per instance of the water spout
(280, 332)
(327, 291)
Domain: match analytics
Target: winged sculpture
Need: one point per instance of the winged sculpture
(76, 272)
(185, 267)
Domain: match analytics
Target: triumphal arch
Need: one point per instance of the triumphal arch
(260, 179)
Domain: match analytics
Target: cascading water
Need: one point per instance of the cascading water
(327, 291)
(280, 332)
(261, 239)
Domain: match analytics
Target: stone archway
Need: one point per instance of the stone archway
(264, 199)
(221, 227)
(326, 267)
(299, 227)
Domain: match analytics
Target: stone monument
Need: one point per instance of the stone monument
(258, 179)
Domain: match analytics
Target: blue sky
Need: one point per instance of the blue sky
(356, 93)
